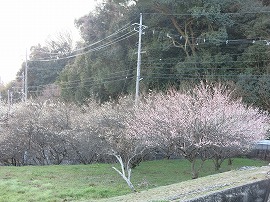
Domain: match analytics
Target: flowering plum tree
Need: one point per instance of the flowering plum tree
(201, 120)
(35, 130)
(205, 122)
(117, 125)
(4, 112)
(84, 139)
(18, 132)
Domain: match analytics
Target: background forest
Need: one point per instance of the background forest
(184, 43)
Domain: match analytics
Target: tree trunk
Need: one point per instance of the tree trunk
(194, 172)
(126, 172)
(217, 162)
(230, 161)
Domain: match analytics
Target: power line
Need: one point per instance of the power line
(74, 54)
(121, 38)
(91, 81)
(207, 40)
(205, 14)
(176, 75)
(118, 31)
(95, 83)
(116, 75)
(125, 27)
(205, 62)
(194, 68)
(91, 78)
(53, 68)
(108, 44)
(175, 62)
(49, 53)
(199, 76)
(113, 75)
(186, 76)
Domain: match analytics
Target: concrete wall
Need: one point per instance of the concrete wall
(247, 184)
(253, 192)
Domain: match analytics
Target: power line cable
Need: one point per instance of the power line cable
(201, 40)
(194, 68)
(206, 62)
(121, 38)
(205, 14)
(165, 76)
(91, 79)
(114, 75)
(92, 82)
(127, 26)
(94, 49)
(113, 42)
(118, 31)
(116, 78)
(198, 76)
(95, 84)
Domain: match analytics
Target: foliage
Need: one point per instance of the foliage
(185, 42)
(253, 81)
(104, 72)
(45, 63)
(254, 90)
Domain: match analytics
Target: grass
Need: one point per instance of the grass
(96, 181)
(196, 188)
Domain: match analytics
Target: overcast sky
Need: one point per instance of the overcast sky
(25, 23)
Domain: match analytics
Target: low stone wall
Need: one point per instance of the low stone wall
(253, 192)
(248, 184)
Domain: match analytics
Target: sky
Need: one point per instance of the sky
(25, 23)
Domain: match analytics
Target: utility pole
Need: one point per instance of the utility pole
(9, 103)
(25, 79)
(139, 62)
(22, 89)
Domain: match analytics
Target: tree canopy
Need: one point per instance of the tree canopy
(184, 42)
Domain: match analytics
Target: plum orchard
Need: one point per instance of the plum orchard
(205, 122)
